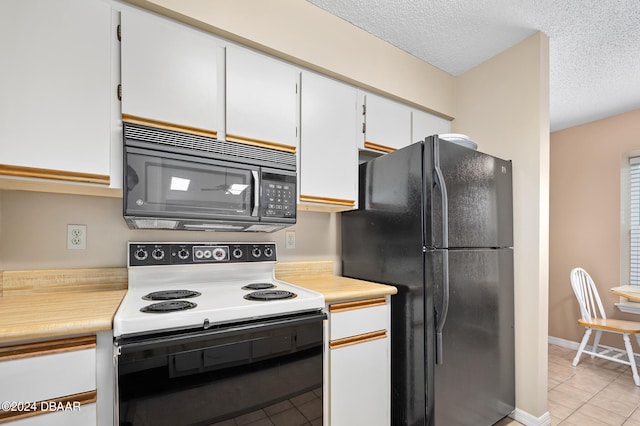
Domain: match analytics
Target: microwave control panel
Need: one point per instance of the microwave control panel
(278, 199)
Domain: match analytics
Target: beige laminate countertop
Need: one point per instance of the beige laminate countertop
(55, 315)
(51, 304)
(339, 289)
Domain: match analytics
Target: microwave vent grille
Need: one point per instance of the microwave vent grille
(206, 144)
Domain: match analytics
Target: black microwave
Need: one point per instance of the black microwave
(183, 181)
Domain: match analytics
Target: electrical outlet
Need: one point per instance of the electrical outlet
(290, 239)
(77, 237)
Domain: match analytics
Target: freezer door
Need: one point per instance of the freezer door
(478, 190)
(475, 383)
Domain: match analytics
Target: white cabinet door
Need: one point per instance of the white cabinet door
(359, 379)
(58, 378)
(84, 415)
(387, 124)
(359, 387)
(169, 71)
(328, 154)
(57, 90)
(262, 98)
(424, 124)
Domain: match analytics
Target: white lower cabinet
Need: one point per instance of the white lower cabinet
(49, 383)
(86, 415)
(359, 370)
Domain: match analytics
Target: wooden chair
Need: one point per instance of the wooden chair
(594, 318)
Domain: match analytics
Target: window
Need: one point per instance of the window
(634, 221)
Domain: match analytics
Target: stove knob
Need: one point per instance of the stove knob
(183, 254)
(141, 254)
(219, 253)
(268, 251)
(157, 254)
(256, 252)
(237, 253)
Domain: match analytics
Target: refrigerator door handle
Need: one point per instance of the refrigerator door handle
(440, 182)
(442, 318)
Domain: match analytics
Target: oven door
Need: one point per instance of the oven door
(269, 370)
(170, 185)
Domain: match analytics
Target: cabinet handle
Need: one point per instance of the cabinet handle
(358, 304)
(34, 172)
(261, 143)
(327, 200)
(41, 407)
(360, 338)
(127, 118)
(378, 147)
(29, 350)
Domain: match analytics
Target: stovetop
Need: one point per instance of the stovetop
(219, 272)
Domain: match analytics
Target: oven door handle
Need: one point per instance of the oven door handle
(133, 344)
(256, 194)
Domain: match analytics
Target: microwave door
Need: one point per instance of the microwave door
(187, 189)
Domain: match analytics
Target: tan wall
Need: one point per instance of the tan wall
(503, 105)
(34, 229)
(585, 215)
(307, 35)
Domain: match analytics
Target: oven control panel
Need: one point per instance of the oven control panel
(149, 254)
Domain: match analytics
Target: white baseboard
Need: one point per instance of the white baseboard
(564, 343)
(529, 419)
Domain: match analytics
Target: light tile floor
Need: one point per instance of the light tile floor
(596, 392)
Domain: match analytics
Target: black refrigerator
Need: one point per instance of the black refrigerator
(435, 219)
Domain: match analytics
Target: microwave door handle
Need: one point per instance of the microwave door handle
(256, 193)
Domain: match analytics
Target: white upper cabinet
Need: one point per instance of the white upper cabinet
(424, 124)
(57, 88)
(170, 72)
(261, 98)
(328, 154)
(387, 124)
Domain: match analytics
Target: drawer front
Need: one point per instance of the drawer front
(355, 318)
(47, 372)
(85, 415)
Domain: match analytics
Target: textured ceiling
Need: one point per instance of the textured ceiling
(594, 44)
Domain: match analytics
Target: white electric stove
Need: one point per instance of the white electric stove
(180, 286)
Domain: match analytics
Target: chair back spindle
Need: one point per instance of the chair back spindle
(587, 294)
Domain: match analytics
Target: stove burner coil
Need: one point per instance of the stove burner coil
(267, 295)
(169, 306)
(171, 295)
(258, 286)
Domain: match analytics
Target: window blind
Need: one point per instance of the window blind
(634, 222)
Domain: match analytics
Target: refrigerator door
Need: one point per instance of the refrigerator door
(382, 242)
(478, 190)
(475, 383)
